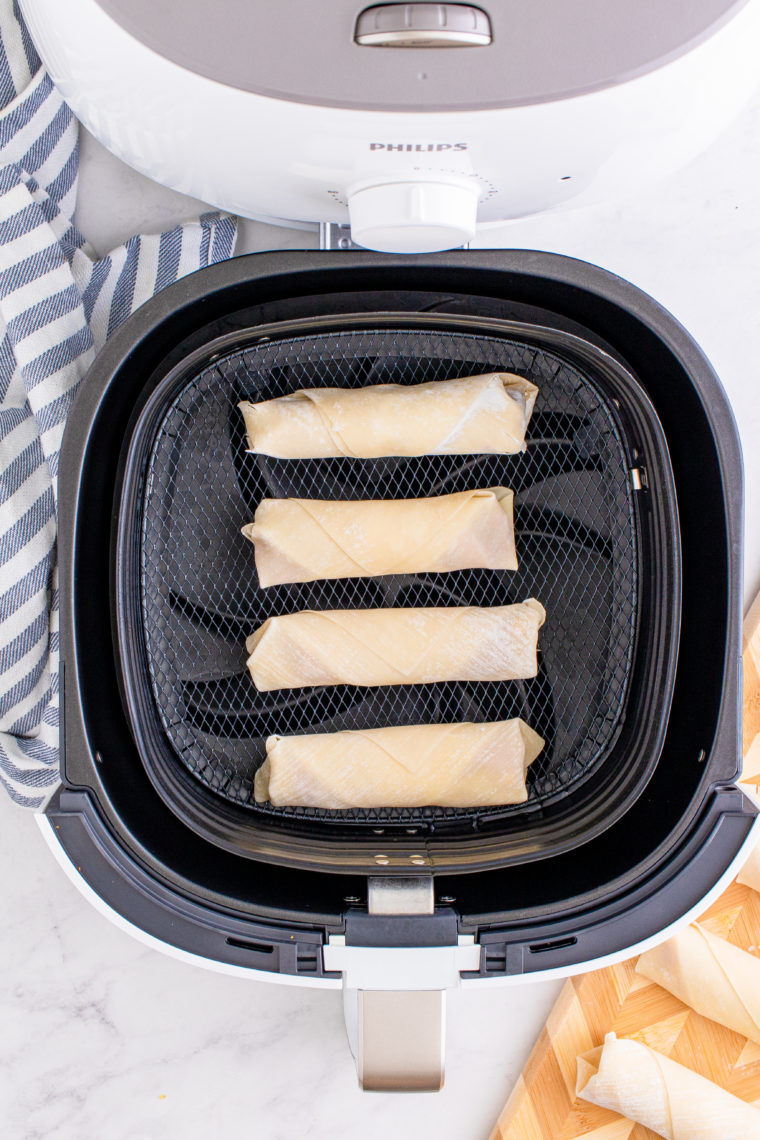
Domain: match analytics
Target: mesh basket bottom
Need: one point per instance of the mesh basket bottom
(576, 543)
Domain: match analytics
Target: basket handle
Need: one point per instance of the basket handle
(394, 996)
(399, 1038)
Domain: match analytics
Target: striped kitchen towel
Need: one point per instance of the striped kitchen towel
(57, 307)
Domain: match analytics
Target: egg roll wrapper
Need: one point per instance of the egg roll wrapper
(630, 1078)
(304, 540)
(470, 415)
(714, 977)
(447, 765)
(404, 646)
(750, 872)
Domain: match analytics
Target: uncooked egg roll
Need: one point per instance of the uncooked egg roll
(632, 1079)
(303, 540)
(714, 977)
(473, 414)
(404, 646)
(447, 765)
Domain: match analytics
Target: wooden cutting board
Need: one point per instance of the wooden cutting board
(543, 1105)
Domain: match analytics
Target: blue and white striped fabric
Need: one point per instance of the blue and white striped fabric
(57, 307)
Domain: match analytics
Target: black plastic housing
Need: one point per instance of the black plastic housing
(633, 878)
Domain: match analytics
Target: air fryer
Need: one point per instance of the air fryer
(632, 469)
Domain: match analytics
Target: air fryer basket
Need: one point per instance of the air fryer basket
(209, 875)
(596, 531)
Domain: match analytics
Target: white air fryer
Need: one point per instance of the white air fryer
(419, 126)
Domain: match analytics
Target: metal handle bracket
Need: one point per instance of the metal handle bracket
(394, 997)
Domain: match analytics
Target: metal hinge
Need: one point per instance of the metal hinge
(412, 894)
(335, 235)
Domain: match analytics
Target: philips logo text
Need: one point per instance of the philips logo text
(418, 146)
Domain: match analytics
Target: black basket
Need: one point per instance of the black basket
(189, 596)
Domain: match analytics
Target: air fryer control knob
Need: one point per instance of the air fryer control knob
(413, 216)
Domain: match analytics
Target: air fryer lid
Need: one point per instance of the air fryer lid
(191, 595)
(539, 51)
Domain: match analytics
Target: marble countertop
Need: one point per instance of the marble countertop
(102, 1038)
